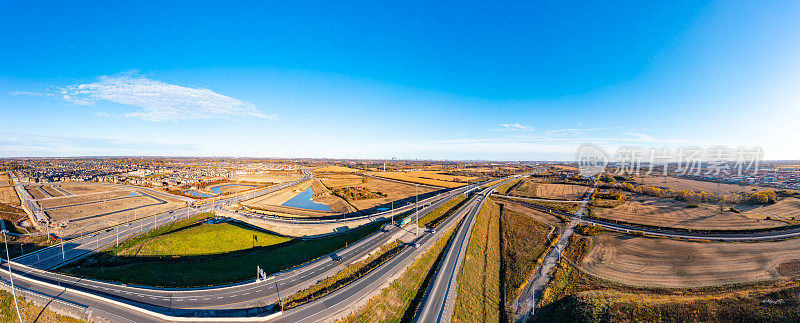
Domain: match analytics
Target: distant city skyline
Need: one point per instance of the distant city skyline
(514, 81)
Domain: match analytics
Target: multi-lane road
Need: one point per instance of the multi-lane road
(242, 300)
(437, 304)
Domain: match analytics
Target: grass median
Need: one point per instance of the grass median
(178, 256)
(479, 298)
(346, 276)
(398, 302)
(435, 217)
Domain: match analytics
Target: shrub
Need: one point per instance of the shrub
(692, 205)
(734, 210)
(588, 229)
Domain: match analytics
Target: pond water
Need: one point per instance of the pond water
(197, 194)
(304, 201)
(216, 189)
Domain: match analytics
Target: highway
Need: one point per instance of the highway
(437, 304)
(246, 299)
(253, 300)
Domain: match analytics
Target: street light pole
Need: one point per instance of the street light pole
(11, 278)
(416, 205)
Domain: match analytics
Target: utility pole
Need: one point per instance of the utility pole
(117, 232)
(392, 212)
(416, 205)
(63, 257)
(11, 277)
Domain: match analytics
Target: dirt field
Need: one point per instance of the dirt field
(86, 188)
(693, 185)
(336, 169)
(340, 180)
(642, 209)
(403, 176)
(34, 191)
(8, 195)
(394, 191)
(672, 263)
(52, 191)
(97, 214)
(83, 198)
(528, 188)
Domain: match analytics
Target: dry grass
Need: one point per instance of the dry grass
(528, 188)
(403, 176)
(442, 176)
(28, 311)
(785, 209)
(336, 169)
(479, 280)
(437, 216)
(672, 263)
(341, 180)
(642, 209)
(678, 184)
(524, 240)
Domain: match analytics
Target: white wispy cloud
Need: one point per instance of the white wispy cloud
(159, 101)
(27, 144)
(515, 126)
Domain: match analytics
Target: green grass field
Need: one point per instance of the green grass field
(204, 239)
(205, 269)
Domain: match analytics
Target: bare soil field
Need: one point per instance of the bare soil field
(89, 216)
(86, 188)
(8, 195)
(642, 209)
(394, 191)
(52, 191)
(528, 188)
(403, 176)
(80, 199)
(672, 263)
(340, 180)
(34, 191)
(677, 184)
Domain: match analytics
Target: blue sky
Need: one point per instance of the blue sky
(492, 81)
